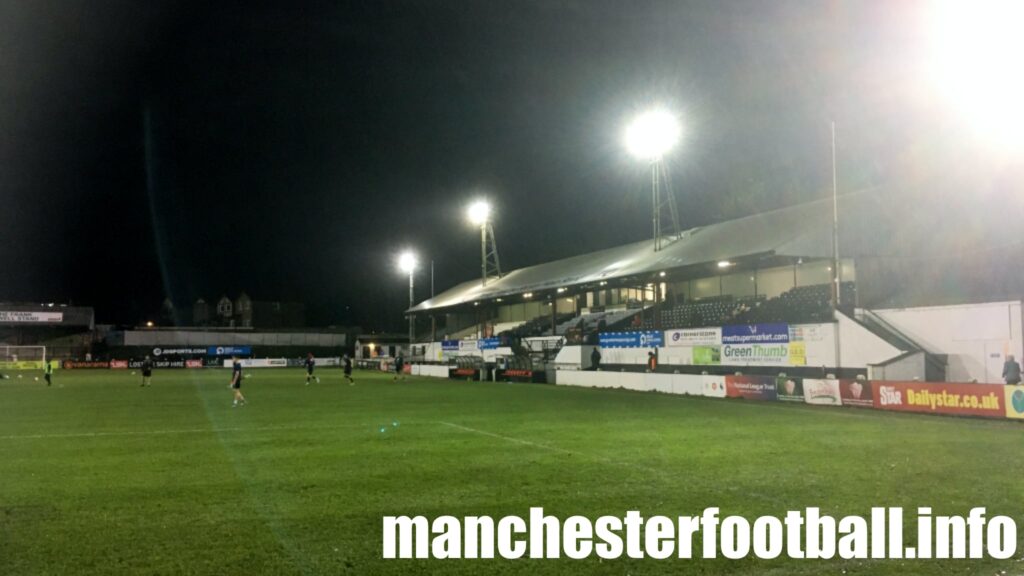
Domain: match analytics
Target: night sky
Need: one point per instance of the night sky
(291, 150)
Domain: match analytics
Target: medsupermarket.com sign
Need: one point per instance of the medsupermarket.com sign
(940, 398)
(755, 334)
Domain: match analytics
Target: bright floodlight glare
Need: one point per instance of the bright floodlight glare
(407, 262)
(974, 61)
(479, 212)
(652, 134)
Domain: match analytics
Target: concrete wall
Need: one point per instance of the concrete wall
(976, 337)
(911, 367)
(859, 347)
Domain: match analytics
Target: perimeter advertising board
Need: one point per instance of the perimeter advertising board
(694, 337)
(229, 351)
(857, 393)
(755, 334)
(822, 392)
(707, 355)
(750, 387)
(755, 354)
(260, 363)
(179, 351)
(488, 343)
(1014, 401)
(713, 386)
(646, 339)
(788, 389)
(941, 398)
(69, 364)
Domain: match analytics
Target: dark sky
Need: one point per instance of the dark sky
(292, 149)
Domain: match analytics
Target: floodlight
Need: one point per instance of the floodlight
(407, 262)
(650, 135)
(479, 212)
(974, 62)
(724, 264)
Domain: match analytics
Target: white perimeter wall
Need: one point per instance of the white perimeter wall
(977, 337)
(859, 346)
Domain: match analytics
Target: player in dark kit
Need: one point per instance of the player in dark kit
(236, 381)
(346, 363)
(399, 367)
(310, 365)
(147, 371)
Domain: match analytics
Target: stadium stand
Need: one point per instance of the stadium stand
(800, 304)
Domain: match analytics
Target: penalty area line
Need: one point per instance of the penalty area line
(510, 439)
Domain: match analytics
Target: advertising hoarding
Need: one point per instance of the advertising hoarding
(646, 339)
(941, 398)
(822, 392)
(707, 355)
(857, 393)
(229, 350)
(713, 386)
(694, 337)
(1014, 401)
(789, 389)
(750, 387)
(755, 334)
(755, 354)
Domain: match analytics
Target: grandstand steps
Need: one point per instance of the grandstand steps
(935, 364)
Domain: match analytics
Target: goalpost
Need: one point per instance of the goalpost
(22, 357)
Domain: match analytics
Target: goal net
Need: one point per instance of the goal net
(22, 357)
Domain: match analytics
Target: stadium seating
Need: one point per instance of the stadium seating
(801, 304)
(540, 326)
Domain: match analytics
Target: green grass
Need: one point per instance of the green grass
(99, 476)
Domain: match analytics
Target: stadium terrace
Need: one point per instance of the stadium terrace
(773, 272)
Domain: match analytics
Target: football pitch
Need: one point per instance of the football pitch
(100, 476)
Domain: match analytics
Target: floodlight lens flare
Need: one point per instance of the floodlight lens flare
(974, 54)
(407, 262)
(652, 134)
(479, 212)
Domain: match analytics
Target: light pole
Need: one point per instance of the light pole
(407, 264)
(479, 214)
(649, 137)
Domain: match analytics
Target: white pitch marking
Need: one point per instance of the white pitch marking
(511, 439)
(177, 431)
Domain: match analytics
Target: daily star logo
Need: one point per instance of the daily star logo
(889, 396)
